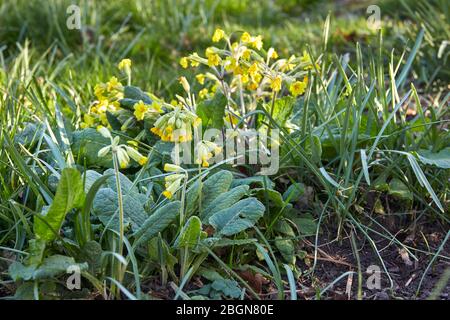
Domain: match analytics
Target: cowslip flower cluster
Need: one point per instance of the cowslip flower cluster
(176, 126)
(250, 67)
(108, 95)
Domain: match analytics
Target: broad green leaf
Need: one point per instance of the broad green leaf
(294, 192)
(91, 253)
(242, 215)
(56, 265)
(212, 111)
(69, 195)
(439, 159)
(191, 234)
(215, 185)
(136, 94)
(228, 287)
(51, 267)
(399, 190)
(283, 227)
(86, 144)
(192, 196)
(272, 196)
(158, 221)
(223, 201)
(287, 250)
(306, 224)
(106, 208)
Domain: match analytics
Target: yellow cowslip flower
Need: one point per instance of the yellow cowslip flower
(195, 63)
(297, 88)
(136, 156)
(140, 108)
(200, 78)
(230, 64)
(123, 158)
(272, 54)
(124, 64)
(256, 42)
(244, 78)
(245, 37)
(246, 53)
(213, 60)
(143, 160)
(218, 35)
(253, 70)
(275, 83)
(113, 84)
(184, 62)
(203, 93)
(252, 85)
(287, 65)
(185, 84)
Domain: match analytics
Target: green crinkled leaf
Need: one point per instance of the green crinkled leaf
(223, 201)
(273, 196)
(136, 94)
(242, 215)
(87, 143)
(106, 208)
(158, 221)
(51, 267)
(283, 227)
(192, 196)
(439, 159)
(69, 195)
(91, 253)
(215, 185)
(191, 234)
(287, 250)
(294, 192)
(399, 190)
(306, 224)
(56, 265)
(228, 287)
(212, 111)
